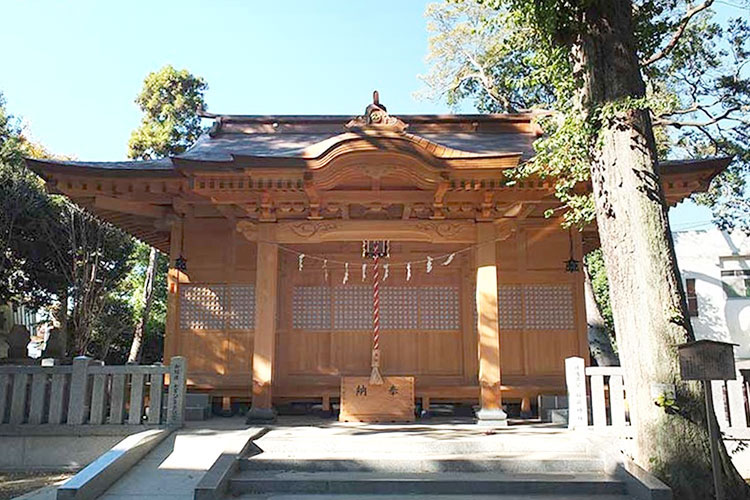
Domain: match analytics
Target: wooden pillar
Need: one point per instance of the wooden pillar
(488, 333)
(173, 289)
(264, 342)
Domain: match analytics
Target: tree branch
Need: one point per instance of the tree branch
(677, 34)
(711, 121)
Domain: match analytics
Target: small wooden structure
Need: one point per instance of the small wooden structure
(487, 308)
(707, 360)
(391, 401)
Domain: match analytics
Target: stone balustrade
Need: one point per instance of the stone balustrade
(89, 392)
(596, 397)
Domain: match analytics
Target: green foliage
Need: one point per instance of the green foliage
(49, 245)
(92, 258)
(170, 101)
(477, 53)
(698, 88)
(26, 269)
(669, 404)
(594, 261)
(133, 290)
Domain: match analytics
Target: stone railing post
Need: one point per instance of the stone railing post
(575, 380)
(78, 390)
(177, 390)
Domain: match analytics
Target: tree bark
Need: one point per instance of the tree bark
(645, 289)
(600, 343)
(148, 296)
(60, 316)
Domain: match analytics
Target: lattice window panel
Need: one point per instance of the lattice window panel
(352, 307)
(202, 307)
(438, 308)
(398, 308)
(311, 308)
(549, 307)
(242, 307)
(510, 307)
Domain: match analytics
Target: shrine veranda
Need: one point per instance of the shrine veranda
(493, 318)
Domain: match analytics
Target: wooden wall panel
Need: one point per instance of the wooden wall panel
(512, 352)
(548, 350)
(350, 352)
(206, 350)
(398, 352)
(239, 352)
(439, 353)
(507, 252)
(533, 254)
(547, 248)
(305, 353)
(216, 255)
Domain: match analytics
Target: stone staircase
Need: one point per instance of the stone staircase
(433, 477)
(428, 462)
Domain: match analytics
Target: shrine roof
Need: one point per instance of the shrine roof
(293, 140)
(312, 136)
(224, 146)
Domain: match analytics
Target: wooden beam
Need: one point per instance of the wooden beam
(487, 326)
(264, 343)
(453, 231)
(171, 346)
(130, 207)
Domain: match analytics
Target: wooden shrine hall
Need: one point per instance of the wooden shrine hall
(481, 297)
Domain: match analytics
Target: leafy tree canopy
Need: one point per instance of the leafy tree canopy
(504, 56)
(26, 272)
(170, 101)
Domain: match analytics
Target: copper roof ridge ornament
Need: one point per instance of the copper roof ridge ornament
(376, 117)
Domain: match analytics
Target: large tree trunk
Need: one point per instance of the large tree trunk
(600, 343)
(60, 317)
(148, 296)
(645, 289)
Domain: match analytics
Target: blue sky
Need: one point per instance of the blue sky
(71, 70)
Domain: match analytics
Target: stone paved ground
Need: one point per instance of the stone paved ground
(173, 469)
(13, 484)
(175, 466)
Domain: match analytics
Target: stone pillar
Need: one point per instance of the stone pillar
(488, 333)
(55, 346)
(264, 341)
(18, 342)
(177, 390)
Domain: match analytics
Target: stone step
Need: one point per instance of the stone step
(430, 497)
(534, 463)
(444, 483)
(387, 445)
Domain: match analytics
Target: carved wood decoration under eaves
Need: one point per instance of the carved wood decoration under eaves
(352, 230)
(377, 165)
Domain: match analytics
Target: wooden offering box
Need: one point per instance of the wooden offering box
(393, 401)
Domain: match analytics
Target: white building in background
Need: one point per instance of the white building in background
(715, 267)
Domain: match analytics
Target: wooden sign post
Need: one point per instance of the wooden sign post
(709, 360)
